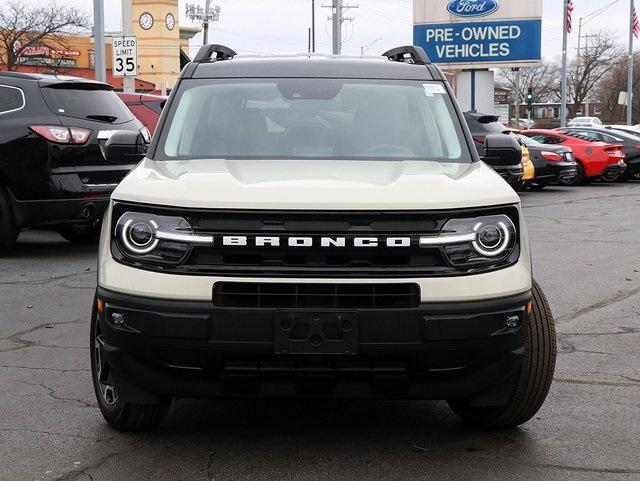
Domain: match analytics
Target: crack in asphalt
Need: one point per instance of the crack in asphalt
(621, 296)
(587, 382)
(24, 343)
(586, 469)
(623, 330)
(208, 469)
(47, 433)
(77, 471)
(52, 394)
(15, 366)
(578, 201)
(48, 280)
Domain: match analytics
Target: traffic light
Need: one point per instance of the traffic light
(529, 97)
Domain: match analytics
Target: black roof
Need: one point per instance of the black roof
(49, 79)
(312, 66)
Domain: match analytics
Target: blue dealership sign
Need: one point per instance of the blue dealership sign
(478, 42)
(472, 8)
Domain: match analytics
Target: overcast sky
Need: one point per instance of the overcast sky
(280, 26)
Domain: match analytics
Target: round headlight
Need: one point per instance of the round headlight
(491, 239)
(141, 234)
(138, 236)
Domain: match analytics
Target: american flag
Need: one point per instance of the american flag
(569, 12)
(636, 24)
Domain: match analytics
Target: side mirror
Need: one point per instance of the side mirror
(501, 149)
(125, 147)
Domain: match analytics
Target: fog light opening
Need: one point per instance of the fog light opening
(512, 320)
(118, 318)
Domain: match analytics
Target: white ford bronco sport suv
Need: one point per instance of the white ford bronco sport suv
(317, 227)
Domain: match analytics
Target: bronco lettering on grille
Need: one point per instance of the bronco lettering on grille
(308, 241)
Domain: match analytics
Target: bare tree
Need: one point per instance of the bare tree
(586, 70)
(614, 82)
(543, 79)
(22, 27)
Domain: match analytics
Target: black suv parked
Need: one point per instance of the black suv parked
(482, 124)
(52, 170)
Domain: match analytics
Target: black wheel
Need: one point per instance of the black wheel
(81, 233)
(122, 415)
(534, 378)
(579, 179)
(8, 230)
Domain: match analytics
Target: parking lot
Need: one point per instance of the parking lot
(585, 244)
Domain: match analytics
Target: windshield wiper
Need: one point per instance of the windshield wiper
(102, 118)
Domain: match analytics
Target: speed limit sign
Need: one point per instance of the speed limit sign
(125, 56)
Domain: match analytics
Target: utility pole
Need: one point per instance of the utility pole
(337, 26)
(630, 65)
(128, 83)
(337, 19)
(98, 40)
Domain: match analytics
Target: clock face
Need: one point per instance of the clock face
(170, 21)
(146, 20)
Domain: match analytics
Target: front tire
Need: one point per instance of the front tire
(120, 414)
(534, 378)
(82, 234)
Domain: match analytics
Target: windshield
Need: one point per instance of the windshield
(311, 118)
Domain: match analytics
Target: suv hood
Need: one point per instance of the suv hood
(314, 185)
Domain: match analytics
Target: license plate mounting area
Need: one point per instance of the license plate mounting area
(311, 332)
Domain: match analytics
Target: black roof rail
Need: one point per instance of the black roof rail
(408, 54)
(206, 51)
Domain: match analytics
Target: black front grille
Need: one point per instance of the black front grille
(294, 295)
(315, 261)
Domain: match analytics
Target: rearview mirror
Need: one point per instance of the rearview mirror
(125, 147)
(501, 149)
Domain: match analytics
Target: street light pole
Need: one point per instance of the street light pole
(204, 15)
(563, 85)
(98, 39)
(128, 83)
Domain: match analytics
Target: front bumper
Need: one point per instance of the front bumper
(194, 349)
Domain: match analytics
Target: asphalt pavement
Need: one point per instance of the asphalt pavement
(586, 251)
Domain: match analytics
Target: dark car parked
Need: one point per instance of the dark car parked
(147, 108)
(52, 169)
(480, 125)
(630, 144)
(553, 163)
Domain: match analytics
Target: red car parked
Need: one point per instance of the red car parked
(594, 159)
(146, 107)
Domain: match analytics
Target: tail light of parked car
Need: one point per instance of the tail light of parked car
(551, 156)
(615, 151)
(479, 138)
(62, 135)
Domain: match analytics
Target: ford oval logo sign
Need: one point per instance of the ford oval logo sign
(472, 8)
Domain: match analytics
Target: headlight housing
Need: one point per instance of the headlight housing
(155, 239)
(468, 242)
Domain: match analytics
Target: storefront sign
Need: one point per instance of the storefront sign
(494, 42)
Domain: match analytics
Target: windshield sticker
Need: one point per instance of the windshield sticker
(431, 89)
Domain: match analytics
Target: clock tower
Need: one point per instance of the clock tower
(155, 23)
